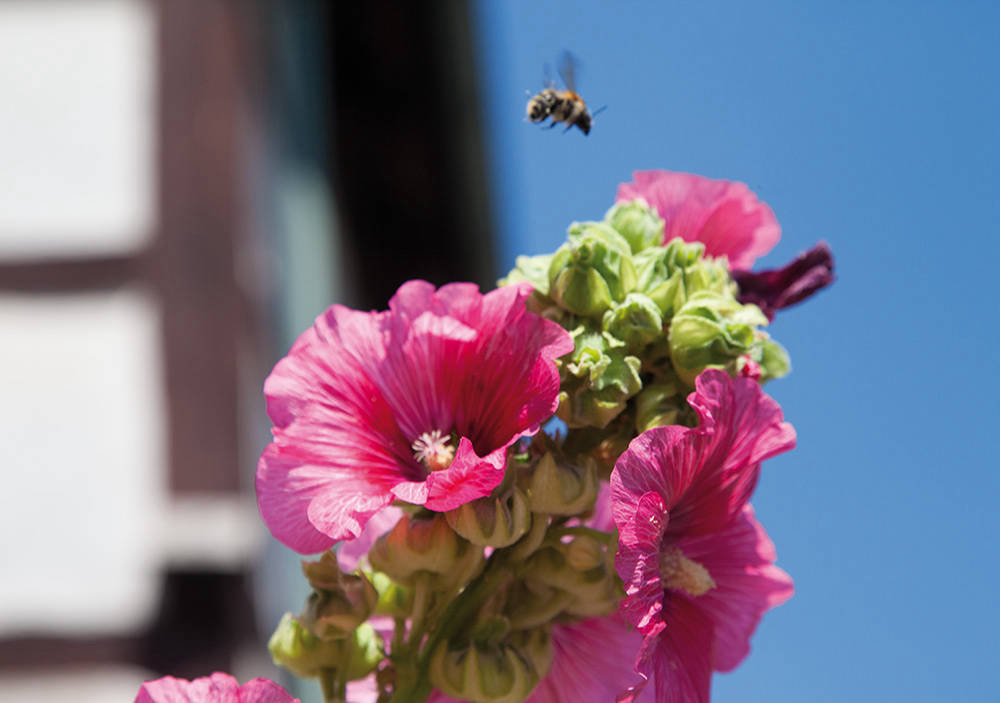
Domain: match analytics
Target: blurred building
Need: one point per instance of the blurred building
(184, 185)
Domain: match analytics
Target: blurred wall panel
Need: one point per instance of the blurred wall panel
(77, 166)
(83, 455)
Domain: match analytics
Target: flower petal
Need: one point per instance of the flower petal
(723, 215)
(740, 560)
(217, 688)
(775, 289)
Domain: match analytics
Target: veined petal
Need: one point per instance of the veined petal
(217, 688)
(724, 215)
(741, 560)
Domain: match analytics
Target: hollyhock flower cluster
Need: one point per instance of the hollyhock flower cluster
(472, 550)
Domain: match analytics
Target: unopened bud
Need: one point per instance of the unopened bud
(339, 602)
(636, 321)
(492, 521)
(592, 270)
(558, 488)
(486, 672)
(533, 269)
(599, 377)
(711, 330)
(670, 275)
(593, 588)
(640, 224)
(421, 543)
(394, 600)
(774, 361)
(295, 648)
(658, 404)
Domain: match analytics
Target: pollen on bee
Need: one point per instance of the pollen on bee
(434, 450)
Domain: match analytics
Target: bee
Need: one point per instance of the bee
(561, 105)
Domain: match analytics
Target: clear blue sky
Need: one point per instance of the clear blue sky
(873, 125)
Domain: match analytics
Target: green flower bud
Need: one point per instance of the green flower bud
(488, 672)
(393, 599)
(613, 380)
(598, 379)
(636, 321)
(774, 361)
(534, 604)
(637, 222)
(593, 587)
(420, 543)
(492, 521)
(294, 648)
(559, 488)
(533, 269)
(711, 329)
(670, 275)
(658, 404)
(592, 270)
(365, 652)
(339, 602)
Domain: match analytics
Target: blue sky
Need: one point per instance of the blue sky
(873, 126)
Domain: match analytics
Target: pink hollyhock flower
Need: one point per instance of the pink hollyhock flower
(775, 289)
(725, 216)
(217, 688)
(698, 569)
(418, 403)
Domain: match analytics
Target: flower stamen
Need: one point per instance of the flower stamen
(679, 573)
(434, 450)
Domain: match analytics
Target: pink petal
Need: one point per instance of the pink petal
(637, 563)
(681, 663)
(217, 688)
(746, 425)
(740, 560)
(776, 289)
(262, 690)
(724, 215)
(469, 477)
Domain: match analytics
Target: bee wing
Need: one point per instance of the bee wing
(547, 80)
(567, 70)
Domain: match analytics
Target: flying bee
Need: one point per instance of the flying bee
(561, 105)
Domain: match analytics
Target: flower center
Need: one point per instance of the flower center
(434, 450)
(679, 573)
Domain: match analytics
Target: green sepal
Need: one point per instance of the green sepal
(493, 520)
